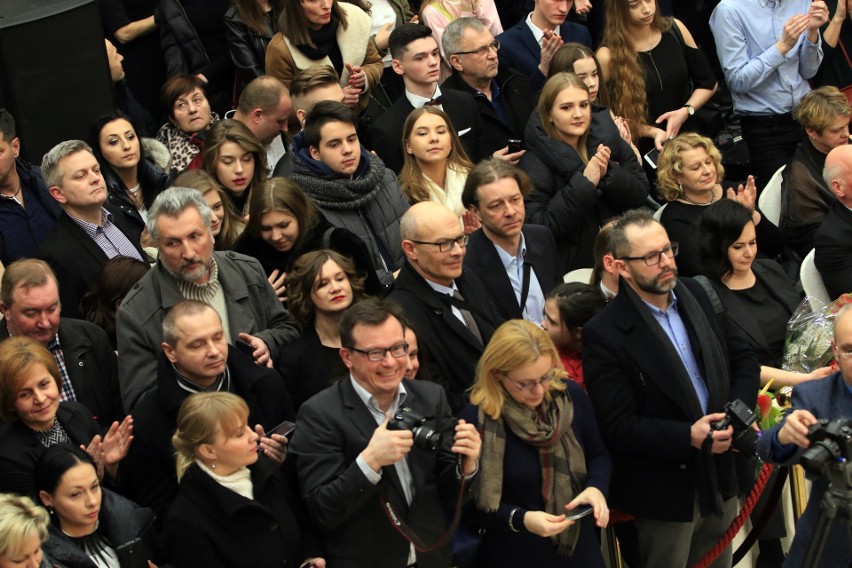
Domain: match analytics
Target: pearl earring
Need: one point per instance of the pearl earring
(213, 465)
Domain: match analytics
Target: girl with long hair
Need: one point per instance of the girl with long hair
(225, 224)
(235, 157)
(249, 27)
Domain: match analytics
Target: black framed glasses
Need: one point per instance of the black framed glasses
(396, 351)
(447, 245)
(481, 51)
(654, 258)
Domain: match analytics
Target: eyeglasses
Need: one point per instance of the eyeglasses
(396, 351)
(447, 245)
(842, 354)
(481, 51)
(654, 258)
(524, 386)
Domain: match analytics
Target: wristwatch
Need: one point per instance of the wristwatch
(689, 109)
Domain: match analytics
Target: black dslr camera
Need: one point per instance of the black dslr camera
(425, 437)
(741, 417)
(830, 442)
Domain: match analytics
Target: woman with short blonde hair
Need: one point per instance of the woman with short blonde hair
(23, 529)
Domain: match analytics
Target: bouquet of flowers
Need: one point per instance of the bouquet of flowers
(809, 333)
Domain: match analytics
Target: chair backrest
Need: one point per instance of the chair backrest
(812, 280)
(769, 201)
(659, 212)
(583, 275)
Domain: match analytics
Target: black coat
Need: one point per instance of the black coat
(77, 260)
(210, 525)
(20, 447)
(308, 367)
(386, 131)
(482, 259)
(149, 468)
(565, 201)
(448, 350)
(518, 98)
(92, 368)
(833, 244)
(247, 46)
(121, 521)
(152, 181)
(18, 237)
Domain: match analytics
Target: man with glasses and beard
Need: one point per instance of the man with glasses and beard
(660, 365)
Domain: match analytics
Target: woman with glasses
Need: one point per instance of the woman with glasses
(584, 172)
(437, 15)
(532, 418)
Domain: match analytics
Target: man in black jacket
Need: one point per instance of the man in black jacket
(504, 97)
(196, 358)
(29, 301)
(833, 240)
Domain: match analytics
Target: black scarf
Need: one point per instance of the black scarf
(324, 44)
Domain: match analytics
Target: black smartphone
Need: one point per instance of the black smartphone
(578, 512)
(514, 145)
(285, 429)
(244, 347)
(134, 554)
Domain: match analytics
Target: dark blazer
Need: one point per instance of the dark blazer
(519, 49)
(20, 448)
(386, 131)
(333, 428)
(833, 244)
(148, 471)
(448, 350)
(828, 398)
(482, 258)
(518, 98)
(644, 413)
(77, 260)
(92, 367)
(211, 525)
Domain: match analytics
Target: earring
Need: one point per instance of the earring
(213, 465)
(51, 510)
(680, 187)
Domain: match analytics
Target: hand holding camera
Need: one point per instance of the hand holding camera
(468, 444)
(701, 430)
(795, 428)
(387, 446)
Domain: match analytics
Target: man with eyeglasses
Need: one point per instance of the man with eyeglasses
(451, 311)
(829, 398)
(660, 364)
(504, 97)
(358, 476)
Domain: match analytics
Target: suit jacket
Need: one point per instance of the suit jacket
(333, 428)
(833, 244)
(518, 98)
(448, 350)
(482, 258)
(386, 131)
(519, 49)
(92, 367)
(828, 398)
(644, 412)
(149, 468)
(20, 447)
(77, 260)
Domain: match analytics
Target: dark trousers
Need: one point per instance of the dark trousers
(771, 141)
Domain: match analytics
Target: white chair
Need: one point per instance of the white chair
(583, 275)
(769, 201)
(812, 280)
(659, 212)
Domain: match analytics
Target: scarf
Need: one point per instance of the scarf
(563, 465)
(714, 366)
(324, 42)
(239, 482)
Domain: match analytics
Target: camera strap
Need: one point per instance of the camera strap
(407, 533)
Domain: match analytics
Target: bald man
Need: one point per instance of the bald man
(833, 240)
(450, 311)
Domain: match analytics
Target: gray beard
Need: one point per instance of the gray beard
(190, 277)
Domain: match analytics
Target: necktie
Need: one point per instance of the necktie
(469, 322)
(436, 101)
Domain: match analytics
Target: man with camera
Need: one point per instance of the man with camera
(378, 457)
(827, 399)
(661, 365)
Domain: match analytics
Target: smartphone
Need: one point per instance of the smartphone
(514, 145)
(134, 554)
(285, 429)
(244, 347)
(578, 512)
(652, 156)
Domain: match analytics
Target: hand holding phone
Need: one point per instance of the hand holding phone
(578, 512)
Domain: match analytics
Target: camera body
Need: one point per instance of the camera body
(739, 415)
(425, 437)
(830, 442)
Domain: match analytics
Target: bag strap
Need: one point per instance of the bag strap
(843, 49)
(718, 308)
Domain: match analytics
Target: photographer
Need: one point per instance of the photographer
(829, 398)
(359, 463)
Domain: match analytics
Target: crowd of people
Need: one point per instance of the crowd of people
(326, 315)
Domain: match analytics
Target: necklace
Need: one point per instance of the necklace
(14, 196)
(693, 202)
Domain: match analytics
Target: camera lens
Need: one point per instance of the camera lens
(426, 438)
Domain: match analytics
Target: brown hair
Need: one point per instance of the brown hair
(552, 88)
(294, 26)
(230, 130)
(25, 273)
(253, 17)
(669, 166)
(232, 224)
(567, 55)
(17, 355)
(115, 280)
(489, 171)
(302, 277)
(176, 87)
(281, 194)
(411, 180)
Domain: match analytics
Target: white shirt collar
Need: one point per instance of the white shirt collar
(417, 101)
(537, 32)
(370, 401)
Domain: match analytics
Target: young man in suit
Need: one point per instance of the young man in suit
(529, 45)
(417, 59)
(520, 260)
(356, 471)
(833, 239)
(660, 365)
(829, 398)
(90, 231)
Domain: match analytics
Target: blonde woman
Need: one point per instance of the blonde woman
(531, 419)
(23, 529)
(233, 508)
